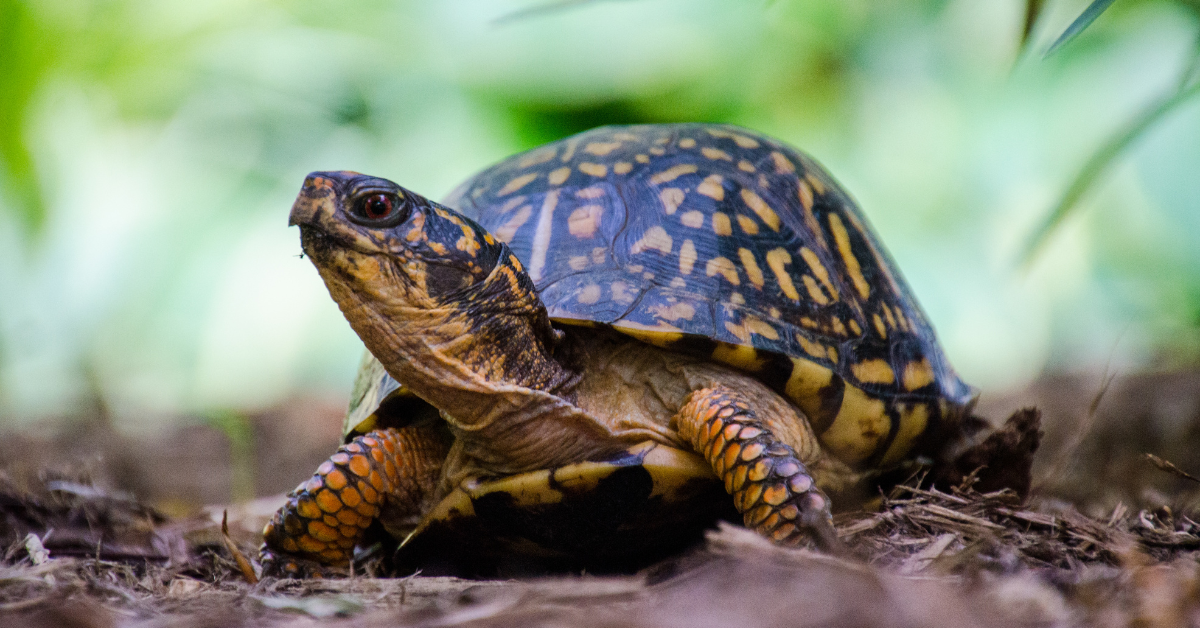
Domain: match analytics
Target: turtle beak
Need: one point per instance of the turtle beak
(319, 190)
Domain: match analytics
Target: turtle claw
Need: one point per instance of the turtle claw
(288, 566)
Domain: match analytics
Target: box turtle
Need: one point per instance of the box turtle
(605, 344)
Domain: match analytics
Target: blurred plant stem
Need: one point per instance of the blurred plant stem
(1100, 160)
(236, 427)
(24, 58)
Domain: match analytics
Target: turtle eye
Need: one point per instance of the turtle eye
(379, 208)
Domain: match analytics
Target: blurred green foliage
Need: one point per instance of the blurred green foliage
(149, 151)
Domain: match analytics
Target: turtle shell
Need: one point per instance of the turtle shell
(717, 241)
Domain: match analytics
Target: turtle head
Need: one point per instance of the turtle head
(425, 287)
(355, 225)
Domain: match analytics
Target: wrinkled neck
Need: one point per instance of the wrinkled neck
(461, 356)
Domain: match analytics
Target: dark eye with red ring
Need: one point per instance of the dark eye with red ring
(377, 207)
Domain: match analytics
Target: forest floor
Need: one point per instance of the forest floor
(101, 529)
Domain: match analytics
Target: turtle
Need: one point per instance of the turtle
(593, 350)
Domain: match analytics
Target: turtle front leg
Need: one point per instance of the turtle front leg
(389, 472)
(770, 486)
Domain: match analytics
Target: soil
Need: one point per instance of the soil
(105, 529)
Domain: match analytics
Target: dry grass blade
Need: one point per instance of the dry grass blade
(1097, 165)
(1167, 466)
(243, 563)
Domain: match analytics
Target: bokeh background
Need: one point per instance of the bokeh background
(150, 151)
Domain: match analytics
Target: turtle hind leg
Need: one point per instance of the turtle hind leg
(386, 471)
(771, 487)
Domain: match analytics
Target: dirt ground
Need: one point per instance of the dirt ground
(105, 529)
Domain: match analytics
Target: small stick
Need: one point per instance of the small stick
(243, 563)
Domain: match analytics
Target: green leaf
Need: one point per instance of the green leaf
(1084, 20)
(1097, 164)
(1033, 9)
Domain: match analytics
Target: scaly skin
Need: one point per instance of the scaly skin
(770, 486)
(390, 471)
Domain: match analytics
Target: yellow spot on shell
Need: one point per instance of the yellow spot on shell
(598, 255)
(723, 267)
(511, 204)
(541, 236)
(539, 156)
(583, 222)
(594, 191)
(589, 294)
(745, 142)
(655, 238)
(842, 238)
(808, 322)
(601, 149)
(815, 349)
(738, 356)
(747, 224)
(570, 152)
(673, 312)
(838, 327)
(745, 166)
(672, 173)
(487, 237)
(693, 219)
(887, 312)
(879, 326)
(671, 199)
(874, 371)
(814, 290)
(687, 257)
(657, 151)
(806, 195)
(516, 263)
(711, 187)
(641, 159)
(715, 153)
(913, 420)
(621, 292)
(596, 170)
(558, 177)
(509, 229)
(782, 164)
(753, 272)
(687, 142)
(517, 183)
(736, 298)
(578, 262)
(819, 270)
(860, 425)
(721, 224)
(854, 327)
(622, 167)
(918, 374)
(776, 260)
(742, 140)
(678, 282)
(760, 207)
(660, 335)
(816, 184)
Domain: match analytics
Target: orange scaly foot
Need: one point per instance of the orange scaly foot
(770, 486)
(387, 470)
